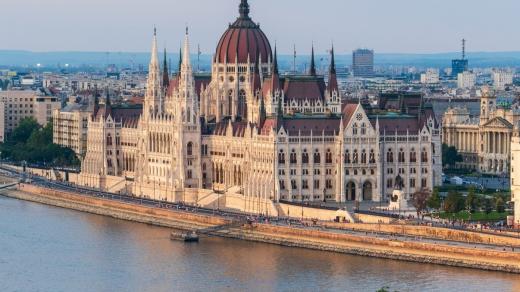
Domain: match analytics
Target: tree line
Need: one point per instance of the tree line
(33, 143)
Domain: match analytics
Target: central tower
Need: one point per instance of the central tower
(242, 49)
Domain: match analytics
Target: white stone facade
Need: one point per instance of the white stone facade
(256, 138)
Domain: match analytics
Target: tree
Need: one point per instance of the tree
(434, 201)
(500, 205)
(450, 156)
(471, 200)
(454, 203)
(32, 143)
(488, 205)
(420, 201)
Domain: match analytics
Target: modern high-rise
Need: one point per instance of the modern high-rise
(460, 65)
(363, 63)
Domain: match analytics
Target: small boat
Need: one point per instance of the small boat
(191, 236)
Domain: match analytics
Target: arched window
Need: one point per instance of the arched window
(363, 129)
(305, 157)
(390, 156)
(230, 102)
(400, 156)
(424, 156)
(363, 156)
(328, 156)
(242, 107)
(354, 129)
(317, 158)
(281, 157)
(355, 157)
(413, 156)
(372, 156)
(293, 157)
(109, 140)
(189, 149)
(347, 156)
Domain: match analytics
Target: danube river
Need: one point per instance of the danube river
(45, 248)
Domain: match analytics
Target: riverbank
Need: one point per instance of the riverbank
(329, 240)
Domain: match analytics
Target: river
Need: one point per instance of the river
(45, 248)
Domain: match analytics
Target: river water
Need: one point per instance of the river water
(45, 248)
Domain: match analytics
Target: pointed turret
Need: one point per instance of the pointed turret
(152, 102)
(333, 79)
(312, 69)
(166, 75)
(186, 56)
(180, 60)
(275, 78)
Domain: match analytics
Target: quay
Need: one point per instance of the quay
(400, 242)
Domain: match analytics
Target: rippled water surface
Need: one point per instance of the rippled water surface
(44, 248)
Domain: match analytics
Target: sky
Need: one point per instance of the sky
(387, 26)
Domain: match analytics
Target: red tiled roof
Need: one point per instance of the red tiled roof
(304, 87)
(243, 39)
(348, 112)
(318, 126)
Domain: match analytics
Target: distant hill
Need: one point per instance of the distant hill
(29, 59)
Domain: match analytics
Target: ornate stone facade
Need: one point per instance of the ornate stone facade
(257, 138)
(484, 141)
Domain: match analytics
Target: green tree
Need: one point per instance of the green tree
(450, 156)
(471, 200)
(420, 201)
(434, 201)
(32, 143)
(454, 203)
(500, 205)
(488, 205)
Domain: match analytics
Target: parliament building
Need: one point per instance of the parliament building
(250, 137)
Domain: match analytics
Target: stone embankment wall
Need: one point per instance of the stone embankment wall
(432, 232)
(417, 251)
(119, 210)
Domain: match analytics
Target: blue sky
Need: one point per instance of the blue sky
(390, 26)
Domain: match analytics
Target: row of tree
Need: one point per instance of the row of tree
(455, 202)
(33, 143)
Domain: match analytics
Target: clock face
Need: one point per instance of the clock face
(359, 117)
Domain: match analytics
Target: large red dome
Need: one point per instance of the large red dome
(243, 38)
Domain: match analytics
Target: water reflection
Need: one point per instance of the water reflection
(51, 249)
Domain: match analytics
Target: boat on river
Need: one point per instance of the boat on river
(190, 236)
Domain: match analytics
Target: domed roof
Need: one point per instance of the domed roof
(243, 38)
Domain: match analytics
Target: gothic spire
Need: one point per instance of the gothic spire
(275, 78)
(186, 56)
(166, 75)
(152, 102)
(312, 70)
(332, 61)
(180, 58)
(333, 79)
(275, 61)
(154, 60)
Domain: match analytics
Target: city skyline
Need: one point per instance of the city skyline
(102, 26)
